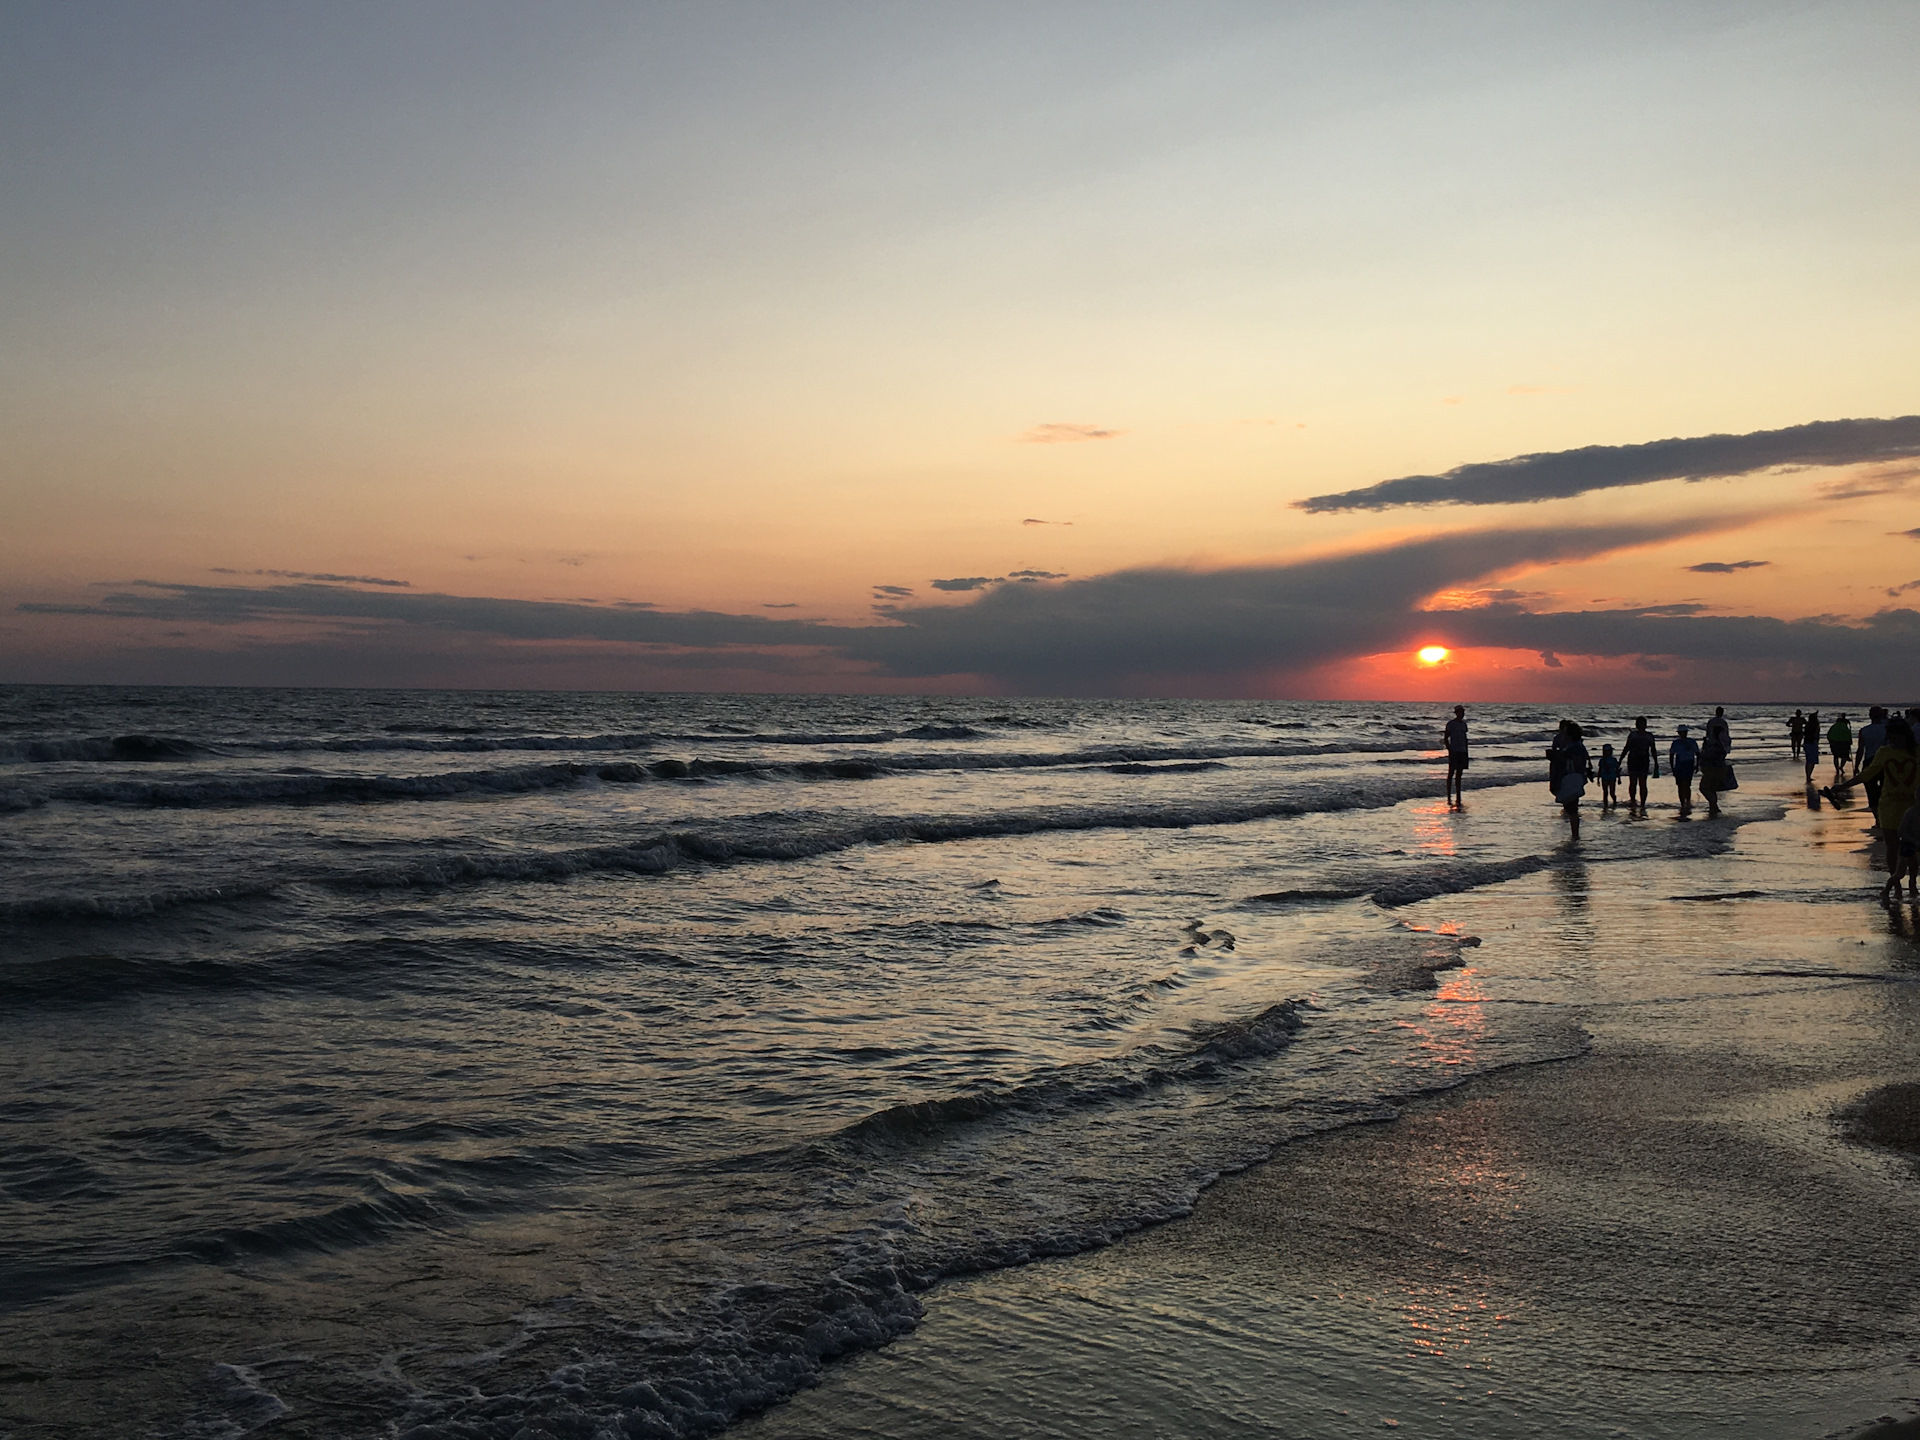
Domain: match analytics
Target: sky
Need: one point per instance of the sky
(1203, 350)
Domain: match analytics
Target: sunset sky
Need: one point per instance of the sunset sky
(1039, 348)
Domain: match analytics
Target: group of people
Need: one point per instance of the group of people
(1886, 763)
(1883, 755)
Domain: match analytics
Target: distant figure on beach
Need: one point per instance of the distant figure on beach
(1642, 755)
(1866, 745)
(1810, 746)
(1456, 735)
(1718, 730)
(1609, 777)
(1716, 772)
(1897, 767)
(1683, 758)
(1840, 742)
(1796, 730)
(1568, 770)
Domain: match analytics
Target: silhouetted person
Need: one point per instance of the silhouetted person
(1866, 744)
(1568, 770)
(1810, 747)
(1609, 777)
(1718, 731)
(1716, 775)
(1840, 742)
(1642, 755)
(1683, 758)
(1907, 853)
(1897, 767)
(1456, 734)
(1796, 730)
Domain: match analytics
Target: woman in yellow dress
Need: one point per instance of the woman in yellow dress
(1897, 767)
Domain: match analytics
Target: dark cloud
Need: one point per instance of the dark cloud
(507, 619)
(1132, 631)
(981, 582)
(1558, 474)
(893, 592)
(310, 575)
(1897, 590)
(1885, 646)
(1550, 660)
(1166, 621)
(1058, 434)
(779, 604)
(1726, 567)
(1913, 534)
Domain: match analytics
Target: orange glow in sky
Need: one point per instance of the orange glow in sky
(740, 355)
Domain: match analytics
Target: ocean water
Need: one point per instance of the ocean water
(497, 1064)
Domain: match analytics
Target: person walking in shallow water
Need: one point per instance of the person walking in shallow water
(1810, 747)
(1568, 770)
(1866, 745)
(1796, 731)
(1896, 765)
(1718, 731)
(1840, 742)
(1683, 758)
(1716, 773)
(1641, 756)
(1456, 737)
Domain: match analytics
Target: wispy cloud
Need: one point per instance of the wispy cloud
(967, 582)
(310, 575)
(893, 592)
(1036, 574)
(1031, 521)
(1726, 567)
(1880, 480)
(1061, 434)
(1557, 474)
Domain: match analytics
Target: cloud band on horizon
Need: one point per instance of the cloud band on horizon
(1559, 474)
(1101, 634)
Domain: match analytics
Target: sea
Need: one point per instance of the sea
(475, 1065)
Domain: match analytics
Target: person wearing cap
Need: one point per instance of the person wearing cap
(1683, 758)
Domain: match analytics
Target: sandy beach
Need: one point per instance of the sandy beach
(1685, 1231)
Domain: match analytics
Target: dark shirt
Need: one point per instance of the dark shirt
(1639, 751)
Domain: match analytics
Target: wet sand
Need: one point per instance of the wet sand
(1704, 1226)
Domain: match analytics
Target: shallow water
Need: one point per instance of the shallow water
(1664, 1239)
(457, 1063)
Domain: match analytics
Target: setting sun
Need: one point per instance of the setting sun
(1434, 654)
